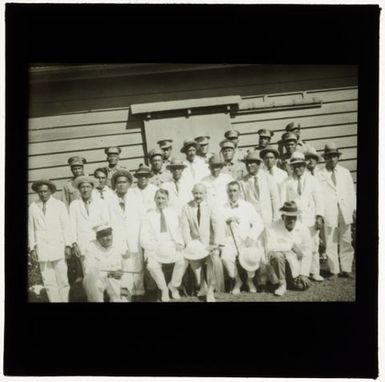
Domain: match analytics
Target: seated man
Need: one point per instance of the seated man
(102, 267)
(202, 228)
(161, 238)
(244, 229)
(288, 242)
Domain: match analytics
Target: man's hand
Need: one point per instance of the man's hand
(67, 252)
(302, 282)
(126, 255)
(318, 222)
(215, 252)
(232, 219)
(297, 251)
(115, 274)
(179, 247)
(76, 249)
(34, 256)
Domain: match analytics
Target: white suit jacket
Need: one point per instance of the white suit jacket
(268, 203)
(82, 224)
(125, 225)
(210, 231)
(195, 171)
(50, 233)
(310, 202)
(145, 197)
(278, 238)
(104, 194)
(177, 199)
(150, 229)
(217, 188)
(342, 195)
(277, 174)
(99, 258)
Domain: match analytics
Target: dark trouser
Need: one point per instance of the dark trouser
(281, 268)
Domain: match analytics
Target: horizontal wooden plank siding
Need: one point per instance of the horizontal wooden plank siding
(335, 120)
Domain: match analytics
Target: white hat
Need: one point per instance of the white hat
(250, 257)
(297, 157)
(195, 251)
(165, 252)
(102, 227)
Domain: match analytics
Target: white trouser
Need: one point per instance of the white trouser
(133, 281)
(315, 267)
(155, 269)
(55, 280)
(95, 283)
(339, 236)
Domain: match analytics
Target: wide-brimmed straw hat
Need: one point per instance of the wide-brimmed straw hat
(249, 258)
(331, 148)
(84, 179)
(175, 163)
(312, 153)
(188, 143)
(143, 170)
(297, 158)
(252, 156)
(35, 185)
(195, 250)
(269, 149)
(165, 252)
(216, 160)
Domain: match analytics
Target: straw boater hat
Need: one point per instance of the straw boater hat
(143, 170)
(331, 148)
(195, 250)
(77, 161)
(84, 179)
(119, 173)
(112, 150)
(297, 157)
(249, 258)
(165, 143)
(35, 185)
(216, 161)
(292, 126)
(312, 153)
(252, 156)
(269, 149)
(175, 163)
(289, 209)
(265, 133)
(165, 252)
(188, 143)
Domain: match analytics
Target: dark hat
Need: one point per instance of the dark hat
(268, 149)
(252, 156)
(35, 185)
(289, 136)
(143, 170)
(175, 163)
(331, 148)
(113, 150)
(164, 143)
(77, 161)
(202, 140)
(84, 179)
(216, 160)
(265, 133)
(188, 143)
(312, 153)
(118, 174)
(227, 144)
(229, 134)
(289, 209)
(297, 157)
(155, 152)
(292, 126)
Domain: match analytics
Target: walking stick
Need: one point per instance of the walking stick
(237, 264)
(110, 270)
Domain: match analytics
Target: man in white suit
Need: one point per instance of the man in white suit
(340, 204)
(270, 155)
(216, 183)
(125, 213)
(196, 168)
(161, 239)
(179, 189)
(288, 242)
(101, 191)
(305, 191)
(85, 213)
(102, 267)
(260, 190)
(50, 240)
(203, 234)
(244, 230)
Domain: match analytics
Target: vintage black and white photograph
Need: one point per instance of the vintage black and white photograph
(191, 182)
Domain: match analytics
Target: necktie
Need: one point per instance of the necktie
(163, 225)
(256, 186)
(299, 186)
(86, 204)
(177, 187)
(312, 172)
(44, 208)
(122, 204)
(334, 179)
(199, 214)
(271, 171)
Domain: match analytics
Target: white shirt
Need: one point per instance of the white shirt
(145, 197)
(195, 170)
(276, 173)
(217, 188)
(102, 194)
(179, 193)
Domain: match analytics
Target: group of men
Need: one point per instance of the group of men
(254, 217)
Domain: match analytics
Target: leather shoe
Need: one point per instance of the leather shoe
(345, 275)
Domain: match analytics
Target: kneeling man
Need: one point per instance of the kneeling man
(288, 242)
(244, 230)
(161, 238)
(102, 267)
